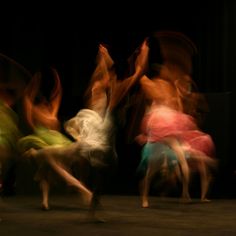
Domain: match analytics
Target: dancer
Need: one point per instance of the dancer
(91, 129)
(50, 147)
(13, 79)
(95, 125)
(9, 134)
(158, 154)
(166, 121)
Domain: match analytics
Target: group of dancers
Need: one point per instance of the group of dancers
(167, 108)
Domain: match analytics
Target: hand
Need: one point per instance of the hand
(106, 56)
(141, 62)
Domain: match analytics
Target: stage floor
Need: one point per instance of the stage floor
(21, 215)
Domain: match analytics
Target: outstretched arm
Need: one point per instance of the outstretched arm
(141, 64)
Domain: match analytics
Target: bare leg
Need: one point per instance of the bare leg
(203, 163)
(145, 186)
(44, 185)
(178, 173)
(205, 181)
(70, 180)
(184, 168)
(144, 190)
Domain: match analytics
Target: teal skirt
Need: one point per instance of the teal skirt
(153, 153)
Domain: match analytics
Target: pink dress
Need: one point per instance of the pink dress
(162, 122)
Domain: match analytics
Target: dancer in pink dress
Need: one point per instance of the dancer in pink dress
(171, 118)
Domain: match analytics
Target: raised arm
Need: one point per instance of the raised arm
(140, 68)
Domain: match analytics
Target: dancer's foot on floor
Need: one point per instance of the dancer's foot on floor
(45, 207)
(186, 200)
(87, 198)
(145, 204)
(205, 200)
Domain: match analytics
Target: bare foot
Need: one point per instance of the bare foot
(205, 200)
(45, 207)
(185, 200)
(87, 198)
(145, 204)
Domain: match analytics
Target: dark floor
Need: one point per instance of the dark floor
(21, 215)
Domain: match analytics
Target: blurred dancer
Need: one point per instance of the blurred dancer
(94, 126)
(162, 125)
(13, 79)
(9, 135)
(157, 160)
(91, 129)
(170, 120)
(47, 144)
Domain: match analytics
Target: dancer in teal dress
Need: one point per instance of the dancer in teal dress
(159, 155)
(157, 159)
(171, 118)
